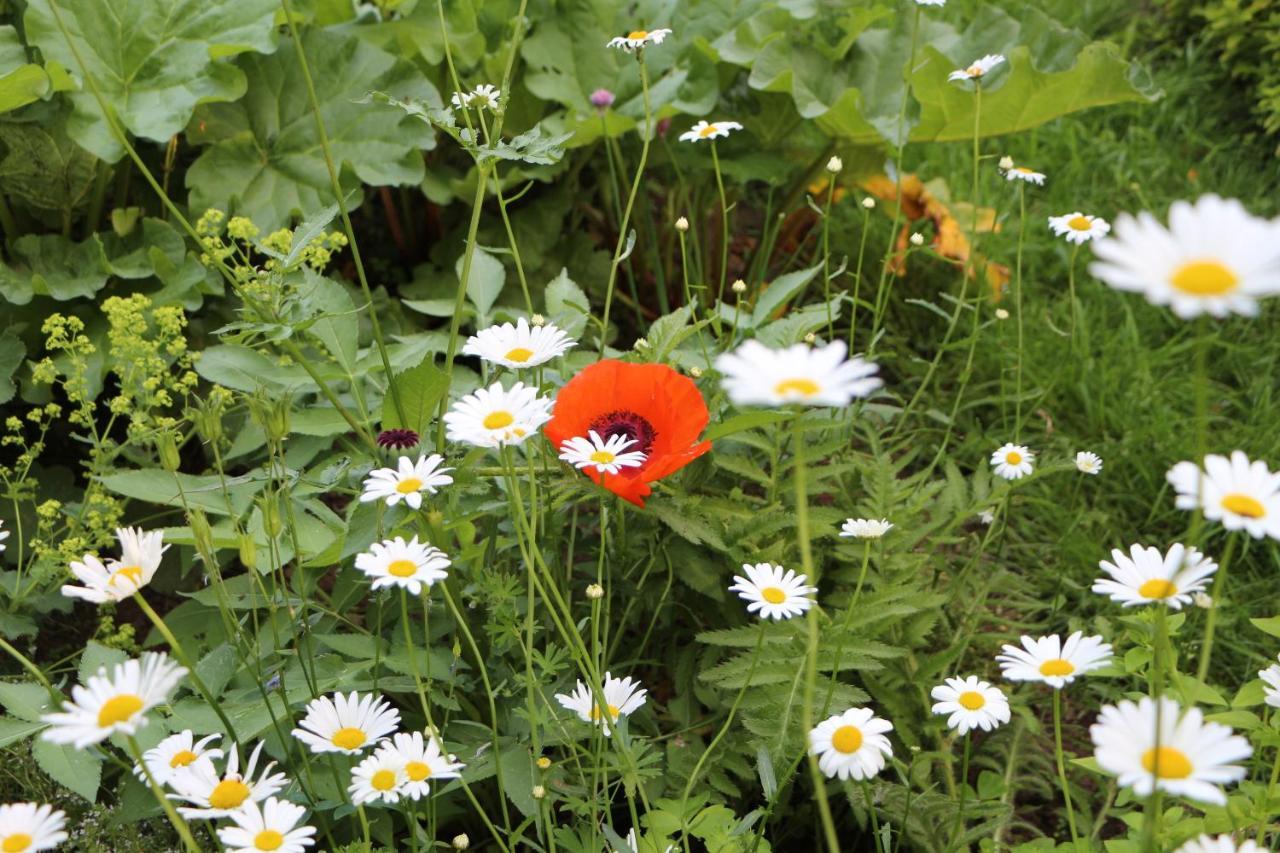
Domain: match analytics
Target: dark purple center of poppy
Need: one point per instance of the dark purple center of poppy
(628, 425)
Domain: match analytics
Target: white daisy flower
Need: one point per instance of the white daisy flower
(346, 724)
(1013, 461)
(29, 827)
(520, 345)
(412, 564)
(271, 828)
(851, 745)
(987, 516)
(1220, 844)
(1240, 494)
(484, 96)
(773, 593)
(4, 534)
(213, 793)
(634, 845)
(623, 696)
(381, 776)
(423, 760)
(637, 39)
(1052, 661)
(979, 69)
(1187, 757)
(709, 130)
(1146, 576)
(115, 703)
(174, 753)
(603, 457)
(1213, 258)
(407, 481)
(971, 704)
(494, 416)
(931, 2)
(865, 528)
(811, 376)
(1079, 228)
(116, 580)
(1271, 684)
(1088, 462)
(1022, 173)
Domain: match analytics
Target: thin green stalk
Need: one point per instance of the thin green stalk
(857, 276)
(35, 671)
(1259, 830)
(1017, 305)
(179, 825)
(1219, 584)
(1071, 294)
(1062, 767)
(826, 254)
(844, 628)
(957, 831)
(724, 223)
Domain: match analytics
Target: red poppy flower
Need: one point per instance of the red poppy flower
(650, 403)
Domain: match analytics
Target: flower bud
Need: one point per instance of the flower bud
(1203, 600)
(537, 320)
(201, 532)
(595, 592)
(1006, 163)
(602, 99)
(461, 842)
(1002, 314)
(642, 344)
(917, 239)
(167, 450)
(248, 551)
(539, 792)
(695, 372)
(272, 524)
(834, 165)
(543, 762)
(868, 202)
(810, 338)
(739, 286)
(682, 224)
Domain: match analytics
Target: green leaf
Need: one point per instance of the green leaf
(14, 731)
(338, 326)
(780, 290)
(567, 304)
(358, 646)
(421, 389)
(217, 667)
(73, 768)
(96, 657)
(24, 699)
(1270, 625)
(21, 82)
(485, 279)
(152, 60)
(274, 168)
(205, 492)
(744, 422)
(52, 265)
(43, 167)
(12, 351)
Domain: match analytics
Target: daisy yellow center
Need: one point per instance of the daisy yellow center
(637, 35)
(773, 595)
(1023, 170)
(183, 758)
(417, 771)
(268, 839)
(383, 780)
(614, 712)
(974, 71)
(1165, 762)
(118, 709)
(707, 131)
(16, 843)
(348, 738)
(972, 700)
(132, 573)
(603, 457)
(1057, 666)
(1013, 457)
(408, 484)
(1244, 505)
(846, 739)
(803, 387)
(229, 794)
(519, 354)
(498, 420)
(1204, 278)
(1157, 588)
(402, 568)
(1079, 223)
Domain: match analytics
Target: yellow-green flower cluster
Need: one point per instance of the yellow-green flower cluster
(149, 356)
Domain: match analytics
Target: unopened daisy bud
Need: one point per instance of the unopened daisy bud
(1203, 600)
(834, 165)
(248, 551)
(695, 372)
(917, 239)
(739, 286)
(539, 792)
(595, 591)
(810, 338)
(1006, 163)
(543, 762)
(537, 320)
(682, 224)
(1002, 314)
(460, 842)
(868, 202)
(642, 344)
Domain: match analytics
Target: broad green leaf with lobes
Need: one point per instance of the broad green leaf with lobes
(275, 169)
(152, 60)
(21, 82)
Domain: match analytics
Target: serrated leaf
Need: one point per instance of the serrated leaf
(73, 768)
(25, 700)
(13, 731)
(421, 389)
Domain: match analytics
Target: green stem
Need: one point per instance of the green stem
(460, 298)
(844, 628)
(958, 831)
(1017, 305)
(724, 223)
(857, 277)
(1062, 767)
(179, 825)
(1219, 584)
(826, 254)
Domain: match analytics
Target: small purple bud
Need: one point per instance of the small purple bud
(602, 99)
(397, 439)
(663, 126)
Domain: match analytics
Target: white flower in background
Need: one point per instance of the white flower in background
(4, 534)
(116, 580)
(865, 528)
(638, 39)
(851, 745)
(773, 593)
(273, 828)
(1052, 661)
(1213, 258)
(811, 376)
(931, 2)
(971, 704)
(381, 776)
(1220, 844)
(622, 696)
(412, 564)
(29, 827)
(603, 457)
(1187, 757)
(174, 753)
(1203, 600)
(987, 516)
(979, 69)
(1240, 494)
(494, 416)
(1022, 173)
(484, 97)
(634, 845)
(520, 345)
(1088, 463)
(709, 130)
(423, 762)
(1013, 461)
(1271, 684)
(1079, 228)
(1146, 576)
(213, 793)
(115, 703)
(407, 481)
(346, 724)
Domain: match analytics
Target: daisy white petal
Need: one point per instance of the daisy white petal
(423, 760)
(118, 579)
(773, 593)
(412, 564)
(346, 724)
(30, 827)
(4, 534)
(214, 792)
(115, 703)
(496, 416)
(638, 39)
(1013, 461)
(1220, 844)
(1271, 684)
(1145, 575)
(175, 752)
(1052, 661)
(800, 374)
(978, 69)
(520, 345)
(381, 776)
(970, 703)
(1240, 494)
(622, 696)
(272, 827)
(851, 745)
(1079, 228)
(865, 528)
(607, 457)
(709, 130)
(407, 481)
(1088, 463)
(1022, 173)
